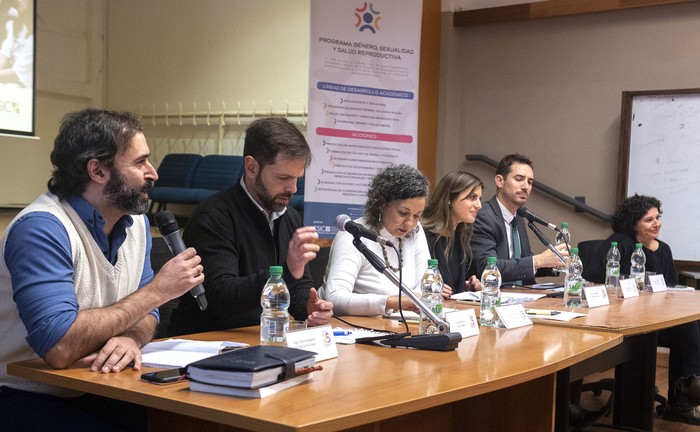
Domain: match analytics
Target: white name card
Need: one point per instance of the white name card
(658, 283)
(596, 296)
(463, 321)
(513, 316)
(317, 339)
(629, 288)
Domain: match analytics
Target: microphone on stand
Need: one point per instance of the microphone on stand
(343, 222)
(167, 225)
(443, 341)
(545, 241)
(523, 212)
(372, 257)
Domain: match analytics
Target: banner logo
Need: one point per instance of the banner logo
(367, 18)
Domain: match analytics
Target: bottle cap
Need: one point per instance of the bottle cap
(613, 244)
(574, 251)
(565, 224)
(432, 262)
(638, 245)
(491, 260)
(276, 270)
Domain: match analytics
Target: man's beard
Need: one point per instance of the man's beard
(267, 201)
(127, 199)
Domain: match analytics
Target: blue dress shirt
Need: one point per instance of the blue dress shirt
(38, 255)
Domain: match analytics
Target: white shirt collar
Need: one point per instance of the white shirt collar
(271, 218)
(507, 215)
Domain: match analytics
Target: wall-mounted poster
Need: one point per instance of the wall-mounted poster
(363, 101)
(17, 57)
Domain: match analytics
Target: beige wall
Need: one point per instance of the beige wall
(199, 51)
(220, 53)
(158, 52)
(551, 89)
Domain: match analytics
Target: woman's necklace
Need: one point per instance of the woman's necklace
(386, 257)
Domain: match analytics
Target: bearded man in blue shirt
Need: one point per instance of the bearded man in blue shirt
(76, 283)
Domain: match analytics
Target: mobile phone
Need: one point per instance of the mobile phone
(168, 376)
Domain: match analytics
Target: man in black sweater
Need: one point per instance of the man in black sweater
(242, 231)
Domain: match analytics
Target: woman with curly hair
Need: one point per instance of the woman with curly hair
(447, 221)
(638, 220)
(395, 203)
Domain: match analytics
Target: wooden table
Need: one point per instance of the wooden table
(499, 380)
(646, 313)
(638, 319)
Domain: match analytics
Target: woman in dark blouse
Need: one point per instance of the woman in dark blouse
(447, 221)
(638, 220)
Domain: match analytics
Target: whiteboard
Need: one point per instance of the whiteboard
(664, 161)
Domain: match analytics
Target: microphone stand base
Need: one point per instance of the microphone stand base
(433, 342)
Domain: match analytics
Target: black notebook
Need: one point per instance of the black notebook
(251, 367)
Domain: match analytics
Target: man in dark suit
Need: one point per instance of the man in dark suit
(499, 232)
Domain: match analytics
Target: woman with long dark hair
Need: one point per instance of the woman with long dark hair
(447, 221)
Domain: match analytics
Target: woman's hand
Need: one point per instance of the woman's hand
(473, 284)
(392, 302)
(446, 291)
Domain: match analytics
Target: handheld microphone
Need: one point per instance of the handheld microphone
(167, 225)
(344, 223)
(523, 212)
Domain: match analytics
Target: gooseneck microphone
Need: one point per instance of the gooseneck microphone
(344, 223)
(545, 241)
(523, 212)
(167, 225)
(443, 341)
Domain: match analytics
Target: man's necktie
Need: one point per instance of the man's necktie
(517, 251)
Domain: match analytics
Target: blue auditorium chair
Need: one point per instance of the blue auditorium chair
(174, 177)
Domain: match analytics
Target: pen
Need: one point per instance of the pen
(542, 312)
(228, 348)
(341, 332)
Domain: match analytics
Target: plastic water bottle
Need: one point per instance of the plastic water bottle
(563, 237)
(612, 270)
(638, 266)
(490, 294)
(573, 282)
(431, 296)
(275, 302)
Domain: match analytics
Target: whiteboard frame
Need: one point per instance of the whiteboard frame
(628, 99)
